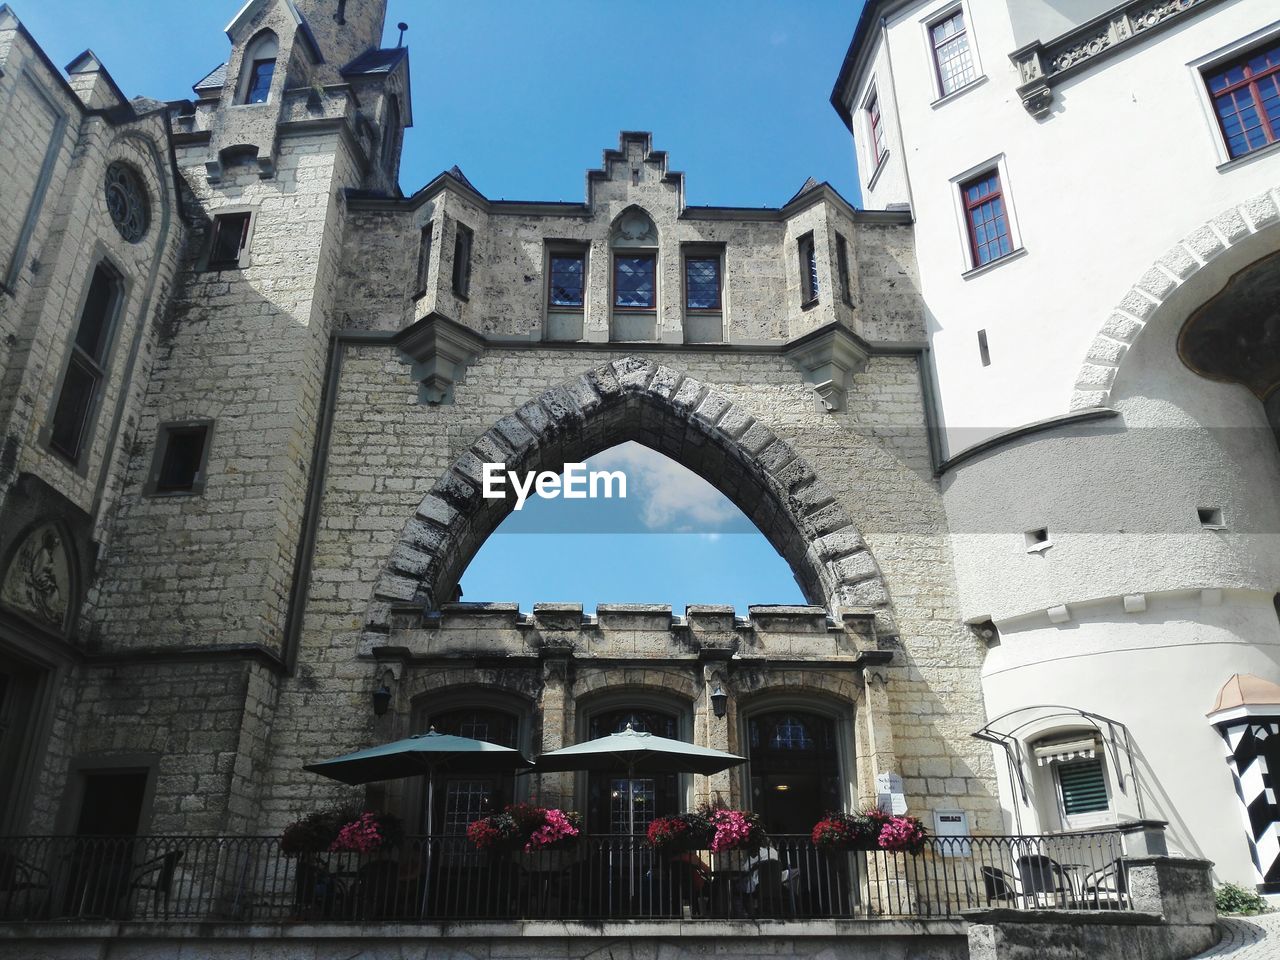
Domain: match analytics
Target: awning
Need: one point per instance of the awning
(1069, 750)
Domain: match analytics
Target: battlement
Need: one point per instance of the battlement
(626, 631)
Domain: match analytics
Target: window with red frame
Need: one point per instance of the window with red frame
(1246, 99)
(877, 128)
(986, 217)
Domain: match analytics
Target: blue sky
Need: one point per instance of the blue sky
(524, 97)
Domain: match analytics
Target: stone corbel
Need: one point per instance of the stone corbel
(829, 358)
(440, 351)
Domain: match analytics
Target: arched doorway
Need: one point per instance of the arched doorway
(795, 768)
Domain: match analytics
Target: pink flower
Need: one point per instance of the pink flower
(555, 827)
(361, 835)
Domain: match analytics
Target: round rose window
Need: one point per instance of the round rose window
(127, 201)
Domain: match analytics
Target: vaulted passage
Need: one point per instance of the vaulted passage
(678, 416)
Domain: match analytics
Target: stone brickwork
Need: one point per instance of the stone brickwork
(232, 634)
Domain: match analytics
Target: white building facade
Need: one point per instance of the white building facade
(1093, 189)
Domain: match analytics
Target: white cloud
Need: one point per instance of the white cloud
(671, 497)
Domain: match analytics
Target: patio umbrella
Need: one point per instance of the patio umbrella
(424, 754)
(638, 752)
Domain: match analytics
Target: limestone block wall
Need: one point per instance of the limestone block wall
(386, 450)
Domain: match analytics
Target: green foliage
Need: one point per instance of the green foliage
(1232, 898)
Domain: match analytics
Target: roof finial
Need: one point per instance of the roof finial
(402, 27)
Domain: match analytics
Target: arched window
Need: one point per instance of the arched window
(462, 798)
(635, 276)
(87, 367)
(795, 769)
(257, 68)
(617, 803)
(390, 131)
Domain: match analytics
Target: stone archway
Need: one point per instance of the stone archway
(1189, 273)
(635, 399)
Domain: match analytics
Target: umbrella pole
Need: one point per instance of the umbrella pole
(631, 828)
(431, 808)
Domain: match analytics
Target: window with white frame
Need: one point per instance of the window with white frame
(1245, 92)
(952, 54)
(875, 128)
(1077, 765)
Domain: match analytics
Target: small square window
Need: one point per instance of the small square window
(1037, 540)
(230, 237)
(1246, 99)
(1210, 518)
(702, 283)
(180, 459)
(635, 282)
(567, 281)
(462, 242)
(952, 58)
(986, 218)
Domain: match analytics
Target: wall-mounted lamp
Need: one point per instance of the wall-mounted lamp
(719, 700)
(382, 695)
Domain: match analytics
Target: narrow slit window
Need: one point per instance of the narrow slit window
(987, 218)
(424, 260)
(984, 352)
(808, 269)
(462, 243)
(842, 265)
(86, 368)
(230, 238)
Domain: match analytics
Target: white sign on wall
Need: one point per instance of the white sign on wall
(889, 795)
(952, 823)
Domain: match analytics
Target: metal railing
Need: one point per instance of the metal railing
(593, 878)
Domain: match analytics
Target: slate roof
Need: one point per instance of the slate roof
(375, 61)
(214, 80)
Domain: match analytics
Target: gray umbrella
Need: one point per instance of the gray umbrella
(423, 754)
(638, 752)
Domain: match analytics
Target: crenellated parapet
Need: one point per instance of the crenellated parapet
(630, 632)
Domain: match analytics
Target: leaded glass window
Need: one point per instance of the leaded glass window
(568, 280)
(790, 733)
(127, 201)
(86, 368)
(1246, 99)
(702, 283)
(635, 282)
(260, 75)
(987, 218)
(951, 53)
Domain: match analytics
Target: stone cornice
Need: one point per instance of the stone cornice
(1043, 65)
(829, 358)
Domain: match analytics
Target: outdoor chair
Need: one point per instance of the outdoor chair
(156, 875)
(1043, 878)
(999, 886)
(1105, 889)
(24, 888)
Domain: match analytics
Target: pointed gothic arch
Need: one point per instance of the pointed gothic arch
(679, 416)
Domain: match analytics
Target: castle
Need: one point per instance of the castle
(1013, 427)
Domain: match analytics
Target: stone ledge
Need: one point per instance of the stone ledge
(1118, 918)
(619, 929)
